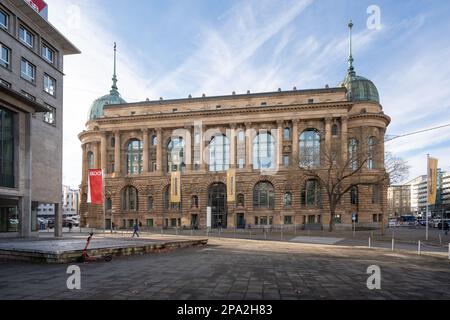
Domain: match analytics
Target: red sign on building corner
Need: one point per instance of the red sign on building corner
(95, 194)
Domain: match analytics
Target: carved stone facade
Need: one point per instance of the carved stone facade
(282, 116)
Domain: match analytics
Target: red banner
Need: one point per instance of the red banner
(96, 186)
(37, 5)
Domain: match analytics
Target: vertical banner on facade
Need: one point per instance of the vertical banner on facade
(175, 187)
(95, 194)
(432, 180)
(231, 185)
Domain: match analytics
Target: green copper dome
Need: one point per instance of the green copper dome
(96, 110)
(358, 88)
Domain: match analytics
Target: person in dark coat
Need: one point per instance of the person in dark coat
(136, 230)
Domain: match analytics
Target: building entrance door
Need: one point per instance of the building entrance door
(240, 221)
(194, 221)
(217, 200)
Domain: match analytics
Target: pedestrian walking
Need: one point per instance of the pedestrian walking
(136, 230)
(70, 226)
(446, 227)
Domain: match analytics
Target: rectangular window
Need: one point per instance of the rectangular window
(26, 36)
(28, 71)
(311, 219)
(5, 56)
(4, 18)
(287, 219)
(50, 116)
(256, 221)
(241, 163)
(5, 83)
(150, 223)
(29, 96)
(286, 161)
(7, 146)
(263, 221)
(48, 54)
(287, 133)
(49, 85)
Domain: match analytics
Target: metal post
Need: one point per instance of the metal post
(428, 194)
(449, 251)
(419, 248)
(393, 244)
(370, 243)
(281, 233)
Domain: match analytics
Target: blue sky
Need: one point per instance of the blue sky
(175, 48)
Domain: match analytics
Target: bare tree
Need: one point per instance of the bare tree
(396, 167)
(341, 170)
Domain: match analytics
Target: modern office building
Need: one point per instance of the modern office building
(399, 200)
(31, 78)
(70, 201)
(265, 137)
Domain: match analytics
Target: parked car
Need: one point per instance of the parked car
(421, 222)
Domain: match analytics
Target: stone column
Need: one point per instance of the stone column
(295, 159)
(145, 150)
(96, 155)
(117, 144)
(104, 152)
(344, 139)
(159, 151)
(233, 150)
(203, 147)
(248, 146)
(279, 150)
(188, 151)
(84, 165)
(25, 200)
(327, 153)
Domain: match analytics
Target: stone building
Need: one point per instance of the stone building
(265, 137)
(31, 76)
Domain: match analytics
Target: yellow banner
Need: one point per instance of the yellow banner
(175, 187)
(231, 185)
(432, 180)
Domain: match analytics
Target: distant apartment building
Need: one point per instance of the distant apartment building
(31, 113)
(411, 198)
(70, 201)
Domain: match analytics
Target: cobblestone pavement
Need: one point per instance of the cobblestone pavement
(238, 269)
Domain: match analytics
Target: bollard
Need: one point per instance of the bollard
(370, 243)
(449, 251)
(393, 244)
(419, 251)
(250, 235)
(281, 233)
(440, 239)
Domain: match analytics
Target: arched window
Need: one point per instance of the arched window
(175, 154)
(310, 148)
(264, 196)
(240, 200)
(129, 199)
(154, 140)
(167, 204)
(371, 153)
(219, 153)
(194, 202)
(150, 204)
(354, 195)
(90, 160)
(264, 151)
(134, 157)
(287, 199)
(335, 130)
(353, 153)
(311, 193)
(376, 194)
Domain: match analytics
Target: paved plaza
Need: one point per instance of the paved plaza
(238, 269)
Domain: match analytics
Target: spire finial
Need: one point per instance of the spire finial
(351, 69)
(114, 78)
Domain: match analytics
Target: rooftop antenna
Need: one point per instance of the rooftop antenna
(351, 69)
(114, 78)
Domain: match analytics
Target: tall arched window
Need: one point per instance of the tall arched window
(310, 148)
(264, 151)
(353, 153)
(129, 199)
(175, 154)
(150, 204)
(167, 204)
(219, 153)
(154, 140)
(264, 196)
(311, 193)
(134, 157)
(90, 160)
(371, 153)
